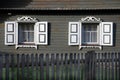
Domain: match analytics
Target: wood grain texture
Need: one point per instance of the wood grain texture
(62, 4)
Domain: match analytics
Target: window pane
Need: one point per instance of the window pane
(93, 36)
(31, 28)
(24, 27)
(31, 37)
(86, 37)
(87, 28)
(25, 37)
(90, 27)
(93, 27)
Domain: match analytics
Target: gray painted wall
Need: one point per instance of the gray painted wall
(58, 34)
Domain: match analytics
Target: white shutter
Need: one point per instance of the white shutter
(74, 31)
(106, 33)
(10, 33)
(80, 33)
(41, 33)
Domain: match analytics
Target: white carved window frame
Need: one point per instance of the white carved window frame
(24, 19)
(91, 19)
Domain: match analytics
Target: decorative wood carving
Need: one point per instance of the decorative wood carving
(80, 47)
(26, 19)
(26, 46)
(90, 19)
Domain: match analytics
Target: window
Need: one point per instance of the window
(90, 32)
(26, 32)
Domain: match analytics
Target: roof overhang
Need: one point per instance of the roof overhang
(60, 8)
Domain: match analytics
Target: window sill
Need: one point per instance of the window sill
(26, 46)
(90, 46)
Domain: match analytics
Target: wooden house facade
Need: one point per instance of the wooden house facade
(59, 26)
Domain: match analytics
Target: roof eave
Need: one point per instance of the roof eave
(59, 8)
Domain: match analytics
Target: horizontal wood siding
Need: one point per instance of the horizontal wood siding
(58, 34)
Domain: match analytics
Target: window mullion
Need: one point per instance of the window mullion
(90, 37)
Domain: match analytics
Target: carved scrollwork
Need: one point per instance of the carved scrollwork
(26, 46)
(26, 19)
(90, 19)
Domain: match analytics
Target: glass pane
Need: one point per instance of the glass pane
(93, 36)
(31, 28)
(93, 27)
(31, 37)
(25, 28)
(90, 27)
(87, 28)
(25, 37)
(86, 36)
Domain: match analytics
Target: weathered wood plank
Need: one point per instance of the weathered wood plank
(109, 69)
(1, 66)
(57, 67)
(83, 65)
(18, 67)
(32, 66)
(116, 71)
(52, 67)
(7, 66)
(71, 66)
(75, 66)
(66, 66)
(23, 66)
(41, 58)
(12, 66)
(62, 66)
(112, 55)
(47, 67)
(36, 64)
(119, 65)
(78, 67)
(105, 61)
(27, 66)
(99, 67)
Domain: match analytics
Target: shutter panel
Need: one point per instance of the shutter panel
(41, 33)
(73, 33)
(106, 33)
(10, 33)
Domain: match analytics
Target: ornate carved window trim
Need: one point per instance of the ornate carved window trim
(89, 19)
(26, 19)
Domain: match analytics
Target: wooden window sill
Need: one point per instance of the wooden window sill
(90, 46)
(26, 46)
